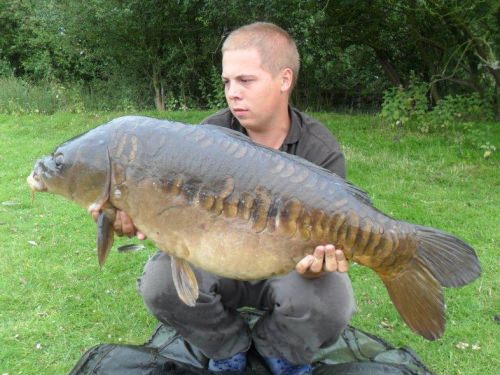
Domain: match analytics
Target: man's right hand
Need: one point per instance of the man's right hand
(123, 225)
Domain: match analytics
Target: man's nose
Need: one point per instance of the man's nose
(233, 92)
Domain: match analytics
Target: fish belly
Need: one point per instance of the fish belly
(225, 246)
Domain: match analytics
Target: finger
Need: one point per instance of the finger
(95, 215)
(342, 263)
(117, 224)
(319, 258)
(128, 227)
(331, 264)
(304, 264)
(141, 236)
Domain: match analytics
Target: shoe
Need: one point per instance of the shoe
(236, 363)
(280, 366)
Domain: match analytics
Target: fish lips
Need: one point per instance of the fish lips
(34, 179)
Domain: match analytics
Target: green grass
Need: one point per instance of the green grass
(55, 303)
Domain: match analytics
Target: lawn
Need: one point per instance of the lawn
(55, 302)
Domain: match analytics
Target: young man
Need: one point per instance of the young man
(304, 310)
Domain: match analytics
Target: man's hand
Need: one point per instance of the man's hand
(325, 258)
(123, 225)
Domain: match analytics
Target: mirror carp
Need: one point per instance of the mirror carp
(210, 197)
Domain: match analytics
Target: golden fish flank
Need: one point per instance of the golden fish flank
(210, 197)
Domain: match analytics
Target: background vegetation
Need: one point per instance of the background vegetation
(166, 54)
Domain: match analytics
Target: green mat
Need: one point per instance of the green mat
(355, 353)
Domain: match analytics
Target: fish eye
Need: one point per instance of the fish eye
(59, 159)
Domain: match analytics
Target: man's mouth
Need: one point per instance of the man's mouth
(240, 111)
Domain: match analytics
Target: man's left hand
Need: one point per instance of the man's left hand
(324, 259)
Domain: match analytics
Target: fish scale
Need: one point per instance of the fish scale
(210, 197)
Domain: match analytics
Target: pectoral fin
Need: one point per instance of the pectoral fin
(105, 237)
(185, 281)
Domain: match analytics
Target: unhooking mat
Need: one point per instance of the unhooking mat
(166, 353)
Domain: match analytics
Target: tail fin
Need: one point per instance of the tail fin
(452, 262)
(418, 297)
(440, 260)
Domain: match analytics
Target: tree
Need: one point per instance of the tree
(169, 51)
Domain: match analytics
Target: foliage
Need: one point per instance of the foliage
(454, 109)
(211, 89)
(18, 97)
(411, 104)
(454, 115)
(167, 51)
(489, 149)
(5, 69)
(402, 105)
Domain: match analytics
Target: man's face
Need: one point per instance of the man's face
(252, 93)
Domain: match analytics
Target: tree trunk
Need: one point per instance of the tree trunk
(427, 50)
(389, 69)
(158, 88)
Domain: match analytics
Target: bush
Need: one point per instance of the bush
(212, 90)
(454, 109)
(404, 105)
(5, 68)
(410, 105)
(455, 115)
(18, 96)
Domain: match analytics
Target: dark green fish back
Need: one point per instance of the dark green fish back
(229, 174)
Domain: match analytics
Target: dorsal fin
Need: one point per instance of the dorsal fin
(230, 132)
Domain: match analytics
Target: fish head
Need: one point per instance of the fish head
(78, 169)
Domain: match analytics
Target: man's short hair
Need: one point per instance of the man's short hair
(276, 47)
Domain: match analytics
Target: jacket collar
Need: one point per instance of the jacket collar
(294, 132)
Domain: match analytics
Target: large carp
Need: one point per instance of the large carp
(211, 197)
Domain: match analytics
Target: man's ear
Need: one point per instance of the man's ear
(286, 79)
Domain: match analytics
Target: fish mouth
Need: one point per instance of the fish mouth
(35, 183)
